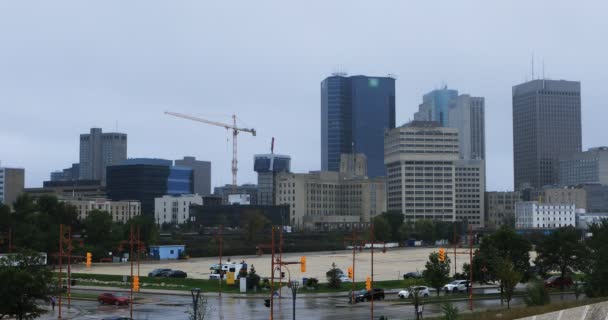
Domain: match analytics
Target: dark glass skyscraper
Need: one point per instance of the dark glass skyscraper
(355, 111)
(546, 126)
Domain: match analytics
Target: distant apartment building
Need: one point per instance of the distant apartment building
(121, 211)
(470, 187)
(145, 179)
(268, 166)
(175, 209)
(546, 128)
(355, 111)
(12, 182)
(421, 164)
(532, 215)
(99, 150)
(329, 199)
(588, 167)
(68, 174)
(245, 189)
(201, 173)
(69, 189)
(500, 208)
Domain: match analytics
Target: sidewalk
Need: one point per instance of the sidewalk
(65, 312)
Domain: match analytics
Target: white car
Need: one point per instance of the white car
(344, 278)
(421, 290)
(456, 286)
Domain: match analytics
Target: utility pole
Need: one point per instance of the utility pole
(60, 287)
(471, 266)
(353, 240)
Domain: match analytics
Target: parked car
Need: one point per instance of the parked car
(456, 286)
(364, 295)
(412, 275)
(105, 259)
(175, 274)
(111, 298)
(421, 290)
(158, 272)
(558, 282)
(345, 278)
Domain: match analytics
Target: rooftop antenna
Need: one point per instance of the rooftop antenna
(543, 69)
(532, 66)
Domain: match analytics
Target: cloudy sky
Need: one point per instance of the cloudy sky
(66, 66)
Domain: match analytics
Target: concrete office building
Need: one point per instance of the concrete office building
(68, 174)
(577, 196)
(435, 106)
(245, 189)
(12, 182)
(500, 208)
(175, 209)
(74, 189)
(330, 200)
(546, 128)
(201, 174)
(468, 115)
(99, 150)
(421, 164)
(355, 111)
(146, 179)
(532, 214)
(585, 219)
(590, 166)
(267, 166)
(469, 191)
(121, 211)
(596, 199)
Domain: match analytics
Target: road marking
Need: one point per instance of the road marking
(86, 315)
(585, 312)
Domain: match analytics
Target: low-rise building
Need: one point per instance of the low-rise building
(174, 209)
(121, 211)
(69, 189)
(578, 196)
(500, 208)
(585, 219)
(226, 191)
(532, 215)
(12, 182)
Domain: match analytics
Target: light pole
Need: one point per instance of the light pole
(196, 294)
(294, 291)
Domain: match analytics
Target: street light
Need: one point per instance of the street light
(294, 291)
(196, 294)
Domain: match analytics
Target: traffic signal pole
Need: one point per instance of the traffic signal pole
(131, 262)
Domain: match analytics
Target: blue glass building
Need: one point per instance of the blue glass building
(435, 106)
(355, 111)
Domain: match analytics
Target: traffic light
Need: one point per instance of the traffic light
(88, 262)
(267, 303)
(350, 272)
(441, 254)
(302, 264)
(282, 275)
(135, 283)
(368, 283)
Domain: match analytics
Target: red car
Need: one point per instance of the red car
(110, 298)
(558, 282)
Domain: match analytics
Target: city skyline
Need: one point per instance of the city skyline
(51, 92)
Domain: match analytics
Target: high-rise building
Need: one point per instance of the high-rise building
(267, 166)
(147, 179)
(12, 181)
(202, 174)
(355, 111)
(546, 127)
(175, 209)
(468, 115)
(469, 191)
(68, 174)
(353, 165)
(99, 150)
(435, 106)
(590, 166)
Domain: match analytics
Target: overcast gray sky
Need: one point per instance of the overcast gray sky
(66, 66)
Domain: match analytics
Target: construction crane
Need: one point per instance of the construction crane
(235, 132)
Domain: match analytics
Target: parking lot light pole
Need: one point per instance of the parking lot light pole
(196, 294)
(294, 291)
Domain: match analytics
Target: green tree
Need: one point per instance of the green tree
(333, 277)
(382, 229)
(509, 278)
(597, 276)
(562, 251)
(395, 221)
(101, 234)
(501, 245)
(436, 273)
(537, 294)
(23, 284)
(148, 229)
(254, 224)
(450, 312)
(424, 230)
(253, 279)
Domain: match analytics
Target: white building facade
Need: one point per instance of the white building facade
(121, 211)
(175, 209)
(532, 214)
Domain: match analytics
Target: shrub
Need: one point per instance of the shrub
(449, 311)
(537, 294)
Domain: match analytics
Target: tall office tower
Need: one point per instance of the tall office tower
(546, 127)
(355, 111)
(202, 174)
(99, 150)
(469, 191)
(267, 166)
(435, 106)
(468, 115)
(12, 181)
(421, 174)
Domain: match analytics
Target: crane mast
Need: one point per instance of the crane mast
(235, 132)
